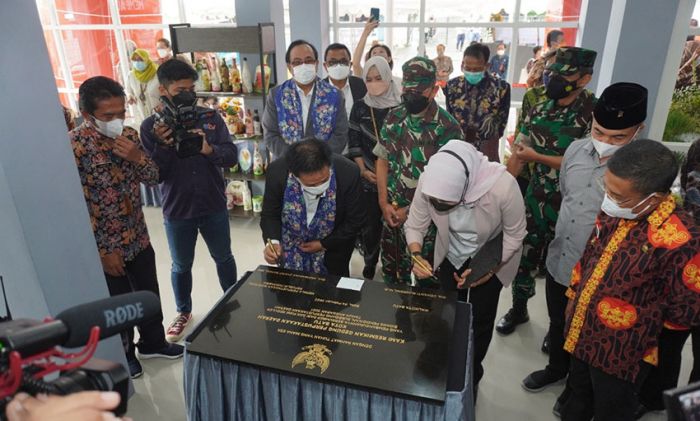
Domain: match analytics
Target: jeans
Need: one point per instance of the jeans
(182, 238)
(140, 276)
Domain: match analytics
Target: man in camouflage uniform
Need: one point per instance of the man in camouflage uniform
(550, 126)
(411, 134)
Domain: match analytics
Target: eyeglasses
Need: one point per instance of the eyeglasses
(601, 184)
(296, 63)
(332, 63)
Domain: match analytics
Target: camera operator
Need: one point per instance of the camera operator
(111, 165)
(82, 406)
(192, 186)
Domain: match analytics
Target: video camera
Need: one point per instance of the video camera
(181, 117)
(29, 349)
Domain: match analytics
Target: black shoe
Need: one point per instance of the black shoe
(545, 344)
(368, 272)
(135, 369)
(539, 380)
(507, 324)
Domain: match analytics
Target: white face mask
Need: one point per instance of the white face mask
(612, 209)
(304, 73)
(339, 72)
(316, 191)
(500, 52)
(111, 128)
(163, 52)
(605, 150)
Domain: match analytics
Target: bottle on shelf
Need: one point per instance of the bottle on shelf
(246, 77)
(225, 78)
(206, 77)
(257, 127)
(247, 198)
(215, 76)
(249, 127)
(235, 77)
(258, 77)
(199, 83)
(257, 161)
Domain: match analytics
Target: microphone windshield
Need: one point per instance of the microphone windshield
(113, 315)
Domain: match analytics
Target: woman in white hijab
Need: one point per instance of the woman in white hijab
(365, 124)
(471, 201)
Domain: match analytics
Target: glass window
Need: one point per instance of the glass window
(550, 11)
(54, 59)
(145, 38)
(90, 53)
(148, 11)
(358, 10)
(83, 12)
(462, 11)
(210, 11)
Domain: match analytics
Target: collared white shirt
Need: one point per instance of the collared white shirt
(305, 104)
(311, 203)
(347, 92)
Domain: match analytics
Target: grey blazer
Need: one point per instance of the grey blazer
(278, 146)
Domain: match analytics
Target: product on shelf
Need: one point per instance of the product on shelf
(199, 83)
(249, 126)
(247, 198)
(215, 76)
(232, 110)
(257, 161)
(246, 77)
(258, 77)
(225, 78)
(206, 76)
(245, 159)
(257, 203)
(257, 127)
(235, 78)
(234, 193)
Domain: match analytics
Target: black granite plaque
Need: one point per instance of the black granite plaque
(394, 339)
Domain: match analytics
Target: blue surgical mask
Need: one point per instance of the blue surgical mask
(473, 78)
(138, 65)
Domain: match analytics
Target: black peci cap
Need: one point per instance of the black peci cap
(621, 105)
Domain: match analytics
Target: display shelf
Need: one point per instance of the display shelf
(205, 94)
(238, 212)
(242, 176)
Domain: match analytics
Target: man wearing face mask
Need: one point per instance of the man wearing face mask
(411, 134)
(545, 133)
(111, 164)
(638, 271)
(304, 106)
(498, 66)
(312, 210)
(193, 189)
(618, 117)
(479, 102)
(337, 62)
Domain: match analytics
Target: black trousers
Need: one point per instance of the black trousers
(140, 276)
(372, 232)
(665, 375)
(484, 301)
(337, 261)
(556, 308)
(595, 394)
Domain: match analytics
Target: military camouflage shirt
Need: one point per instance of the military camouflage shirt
(408, 142)
(550, 128)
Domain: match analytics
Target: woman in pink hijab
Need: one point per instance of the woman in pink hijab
(472, 201)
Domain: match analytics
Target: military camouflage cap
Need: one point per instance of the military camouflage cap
(571, 60)
(419, 74)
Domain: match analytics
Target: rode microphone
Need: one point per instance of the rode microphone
(112, 315)
(72, 327)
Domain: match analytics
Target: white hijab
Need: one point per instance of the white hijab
(444, 176)
(392, 96)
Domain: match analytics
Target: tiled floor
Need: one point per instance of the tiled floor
(159, 393)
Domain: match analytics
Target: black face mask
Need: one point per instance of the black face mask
(557, 87)
(185, 99)
(415, 103)
(441, 206)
